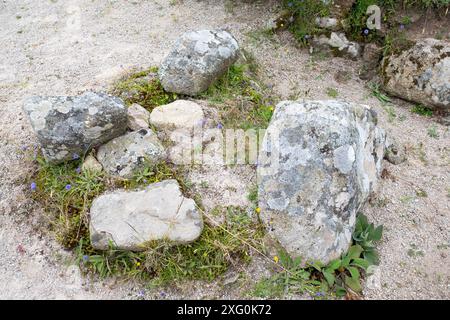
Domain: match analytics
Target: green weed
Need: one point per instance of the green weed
(333, 279)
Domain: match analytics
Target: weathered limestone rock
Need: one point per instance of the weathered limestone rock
(138, 117)
(197, 60)
(129, 219)
(180, 114)
(319, 162)
(91, 164)
(123, 155)
(67, 127)
(420, 74)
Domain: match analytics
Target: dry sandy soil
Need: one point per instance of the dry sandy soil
(63, 47)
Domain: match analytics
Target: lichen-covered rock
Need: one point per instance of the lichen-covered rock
(420, 74)
(319, 162)
(123, 155)
(138, 117)
(67, 127)
(197, 60)
(180, 114)
(130, 219)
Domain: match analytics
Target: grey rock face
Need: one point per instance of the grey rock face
(197, 60)
(319, 162)
(123, 155)
(67, 127)
(138, 117)
(129, 219)
(420, 74)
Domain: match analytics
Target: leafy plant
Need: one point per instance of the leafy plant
(337, 277)
(366, 235)
(422, 110)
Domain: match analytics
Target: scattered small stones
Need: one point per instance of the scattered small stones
(123, 155)
(420, 74)
(340, 44)
(180, 114)
(91, 164)
(130, 219)
(327, 23)
(319, 162)
(67, 127)
(197, 60)
(138, 117)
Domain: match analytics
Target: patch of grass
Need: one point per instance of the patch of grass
(242, 101)
(335, 279)
(376, 92)
(162, 262)
(143, 88)
(66, 193)
(422, 110)
(304, 14)
(332, 92)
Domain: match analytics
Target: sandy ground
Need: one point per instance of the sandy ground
(64, 47)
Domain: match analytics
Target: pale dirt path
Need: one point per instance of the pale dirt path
(44, 52)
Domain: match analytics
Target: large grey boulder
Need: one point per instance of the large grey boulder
(67, 127)
(420, 74)
(130, 219)
(197, 60)
(123, 155)
(318, 163)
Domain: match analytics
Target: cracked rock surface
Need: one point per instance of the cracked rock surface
(320, 160)
(129, 219)
(197, 60)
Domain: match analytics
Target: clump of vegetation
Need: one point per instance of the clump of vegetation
(66, 193)
(422, 110)
(219, 247)
(332, 92)
(338, 278)
(304, 14)
(242, 101)
(143, 88)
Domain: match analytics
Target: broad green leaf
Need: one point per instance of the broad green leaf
(377, 233)
(334, 264)
(340, 291)
(352, 283)
(359, 262)
(355, 251)
(329, 276)
(371, 256)
(354, 272)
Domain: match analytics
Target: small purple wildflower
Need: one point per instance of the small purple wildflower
(402, 26)
(366, 31)
(85, 258)
(78, 170)
(320, 294)
(145, 180)
(33, 186)
(68, 187)
(24, 148)
(75, 156)
(219, 126)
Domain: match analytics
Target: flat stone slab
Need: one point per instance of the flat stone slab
(129, 219)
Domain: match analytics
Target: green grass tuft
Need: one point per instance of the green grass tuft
(143, 88)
